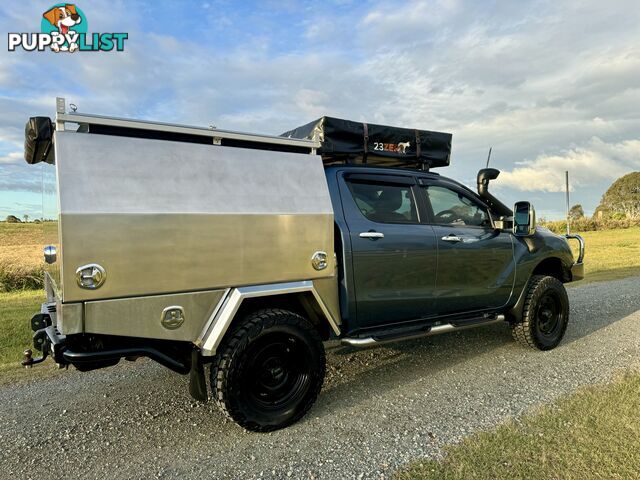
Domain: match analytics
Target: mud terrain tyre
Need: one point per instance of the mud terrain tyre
(545, 314)
(268, 372)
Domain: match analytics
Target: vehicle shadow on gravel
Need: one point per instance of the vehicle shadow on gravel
(359, 374)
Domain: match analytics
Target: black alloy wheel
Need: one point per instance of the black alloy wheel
(545, 315)
(548, 314)
(277, 371)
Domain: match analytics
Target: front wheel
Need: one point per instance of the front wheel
(545, 315)
(269, 371)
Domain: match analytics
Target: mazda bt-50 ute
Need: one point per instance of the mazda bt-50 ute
(239, 254)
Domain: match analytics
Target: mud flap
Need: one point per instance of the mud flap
(197, 381)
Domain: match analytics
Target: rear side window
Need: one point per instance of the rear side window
(453, 208)
(384, 203)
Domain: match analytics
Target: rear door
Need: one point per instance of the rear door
(476, 267)
(394, 254)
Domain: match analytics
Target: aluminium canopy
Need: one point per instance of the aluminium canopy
(356, 142)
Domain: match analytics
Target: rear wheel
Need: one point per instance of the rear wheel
(269, 371)
(545, 315)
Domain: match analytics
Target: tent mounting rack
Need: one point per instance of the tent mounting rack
(107, 125)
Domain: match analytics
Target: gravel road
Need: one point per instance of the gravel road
(379, 409)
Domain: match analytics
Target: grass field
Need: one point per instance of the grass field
(611, 254)
(21, 261)
(592, 434)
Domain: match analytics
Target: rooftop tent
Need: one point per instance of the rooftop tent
(366, 143)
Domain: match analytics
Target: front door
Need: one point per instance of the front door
(476, 267)
(394, 255)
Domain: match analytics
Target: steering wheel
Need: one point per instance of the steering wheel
(446, 215)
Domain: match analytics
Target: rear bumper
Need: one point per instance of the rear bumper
(90, 352)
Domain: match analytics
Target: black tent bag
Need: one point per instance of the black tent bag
(355, 142)
(38, 140)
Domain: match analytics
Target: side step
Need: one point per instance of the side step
(435, 330)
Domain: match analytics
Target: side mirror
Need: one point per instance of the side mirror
(524, 219)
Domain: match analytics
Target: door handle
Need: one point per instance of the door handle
(372, 235)
(452, 238)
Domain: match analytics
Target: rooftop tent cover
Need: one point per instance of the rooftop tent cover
(357, 142)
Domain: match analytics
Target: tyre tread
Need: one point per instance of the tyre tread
(523, 330)
(250, 328)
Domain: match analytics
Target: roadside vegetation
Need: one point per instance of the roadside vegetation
(590, 224)
(618, 208)
(593, 433)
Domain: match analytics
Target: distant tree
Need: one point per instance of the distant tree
(576, 212)
(26, 217)
(622, 199)
(13, 219)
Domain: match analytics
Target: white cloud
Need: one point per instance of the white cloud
(532, 79)
(390, 18)
(587, 165)
(12, 157)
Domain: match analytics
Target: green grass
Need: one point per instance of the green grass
(16, 309)
(611, 254)
(592, 434)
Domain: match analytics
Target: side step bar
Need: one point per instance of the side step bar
(435, 330)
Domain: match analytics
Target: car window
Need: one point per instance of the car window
(453, 208)
(384, 203)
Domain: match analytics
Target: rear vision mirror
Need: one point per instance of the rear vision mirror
(524, 219)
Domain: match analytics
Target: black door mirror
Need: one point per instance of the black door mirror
(524, 219)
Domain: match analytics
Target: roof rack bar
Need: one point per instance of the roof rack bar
(185, 129)
(62, 117)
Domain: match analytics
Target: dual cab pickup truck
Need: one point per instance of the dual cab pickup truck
(241, 254)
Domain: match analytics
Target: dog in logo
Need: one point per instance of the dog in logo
(63, 18)
(402, 146)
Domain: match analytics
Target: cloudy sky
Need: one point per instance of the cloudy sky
(550, 85)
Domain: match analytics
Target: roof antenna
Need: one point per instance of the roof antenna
(489, 157)
(566, 186)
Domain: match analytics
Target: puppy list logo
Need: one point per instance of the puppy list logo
(64, 29)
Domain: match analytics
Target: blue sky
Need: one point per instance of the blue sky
(550, 85)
